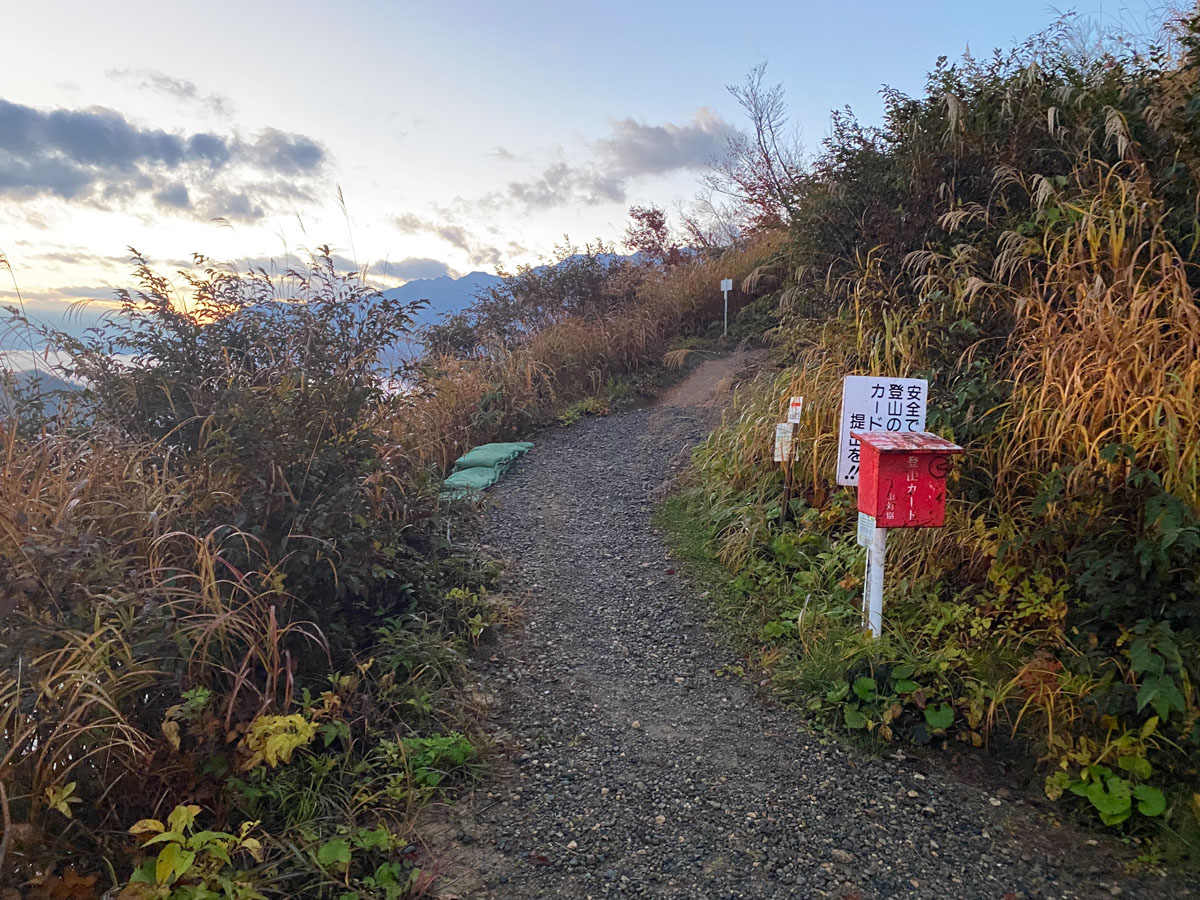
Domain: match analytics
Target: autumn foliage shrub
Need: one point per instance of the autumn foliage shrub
(210, 547)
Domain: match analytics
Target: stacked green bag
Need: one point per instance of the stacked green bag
(480, 468)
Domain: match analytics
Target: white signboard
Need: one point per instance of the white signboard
(866, 529)
(784, 432)
(727, 284)
(877, 403)
(795, 408)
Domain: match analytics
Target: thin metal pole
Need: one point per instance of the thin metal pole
(725, 333)
(874, 586)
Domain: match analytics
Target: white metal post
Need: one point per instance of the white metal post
(873, 589)
(725, 333)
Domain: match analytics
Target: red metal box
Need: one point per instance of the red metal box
(902, 477)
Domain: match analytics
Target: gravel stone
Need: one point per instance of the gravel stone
(714, 792)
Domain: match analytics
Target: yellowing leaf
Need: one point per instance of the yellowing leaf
(60, 798)
(182, 817)
(170, 731)
(164, 866)
(273, 739)
(146, 826)
(254, 847)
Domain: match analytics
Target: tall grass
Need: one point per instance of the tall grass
(1025, 236)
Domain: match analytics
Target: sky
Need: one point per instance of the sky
(458, 136)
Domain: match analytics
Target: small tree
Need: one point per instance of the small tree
(760, 171)
(649, 234)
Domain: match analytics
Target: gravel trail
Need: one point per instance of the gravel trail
(640, 769)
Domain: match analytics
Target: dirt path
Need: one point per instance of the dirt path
(640, 770)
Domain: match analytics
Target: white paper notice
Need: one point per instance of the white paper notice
(866, 529)
(784, 432)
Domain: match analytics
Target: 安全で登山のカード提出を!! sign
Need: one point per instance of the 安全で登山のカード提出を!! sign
(876, 403)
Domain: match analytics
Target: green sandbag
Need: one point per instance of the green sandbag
(469, 482)
(491, 455)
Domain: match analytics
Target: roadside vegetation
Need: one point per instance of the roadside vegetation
(1025, 235)
(235, 632)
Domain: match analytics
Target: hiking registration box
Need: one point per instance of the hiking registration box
(902, 477)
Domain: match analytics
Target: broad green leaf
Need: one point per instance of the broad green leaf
(184, 862)
(1148, 691)
(854, 717)
(906, 687)
(143, 874)
(939, 715)
(200, 838)
(334, 853)
(902, 672)
(173, 836)
(1151, 801)
(1141, 655)
(218, 851)
(1115, 818)
(838, 693)
(864, 688)
(1138, 766)
(183, 817)
(1111, 797)
(1168, 698)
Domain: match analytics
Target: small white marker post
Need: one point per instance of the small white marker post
(873, 589)
(875, 540)
(726, 287)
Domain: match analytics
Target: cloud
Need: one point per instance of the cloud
(97, 156)
(377, 271)
(480, 252)
(177, 88)
(632, 151)
(561, 183)
(413, 268)
(637, 149)
(75, 256)
(173, 195)
(85, 292)
(288, 154)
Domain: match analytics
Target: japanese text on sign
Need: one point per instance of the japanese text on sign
(871, 403)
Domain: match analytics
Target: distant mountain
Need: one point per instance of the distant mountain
(446, 295)
(31, 386)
